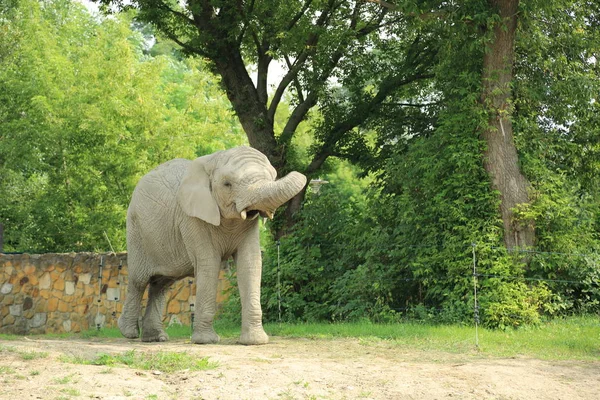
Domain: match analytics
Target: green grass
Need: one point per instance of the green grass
(164, 361)
(64, 380)
(226, 330)
(4, 370)
(33, 355)
(574, 338)
(71, 392)
(24, 354)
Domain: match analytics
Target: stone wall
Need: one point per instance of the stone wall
(56, 293)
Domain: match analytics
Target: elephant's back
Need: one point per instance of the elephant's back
(158, 187)
(168, 174)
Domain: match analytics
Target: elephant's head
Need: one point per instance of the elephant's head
(238, 183)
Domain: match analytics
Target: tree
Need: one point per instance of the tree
(501, 159)
(319, 43)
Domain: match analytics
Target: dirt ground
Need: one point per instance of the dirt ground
(289, 369)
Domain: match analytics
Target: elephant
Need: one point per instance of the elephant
(185, 218)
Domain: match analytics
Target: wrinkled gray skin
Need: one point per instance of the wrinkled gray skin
(184, 219)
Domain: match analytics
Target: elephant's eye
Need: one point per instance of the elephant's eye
(227, 184)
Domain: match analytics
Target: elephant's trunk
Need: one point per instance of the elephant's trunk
(268, 196)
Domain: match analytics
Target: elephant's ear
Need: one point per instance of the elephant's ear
(194, 194)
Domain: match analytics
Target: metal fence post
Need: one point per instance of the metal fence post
(475, 304)
(278, 282)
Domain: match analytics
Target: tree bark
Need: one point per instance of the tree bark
(501, 160)
(250, 110)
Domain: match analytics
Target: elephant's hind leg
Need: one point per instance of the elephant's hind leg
(152, 326)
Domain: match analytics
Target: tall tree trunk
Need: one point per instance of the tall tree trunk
(501, 158)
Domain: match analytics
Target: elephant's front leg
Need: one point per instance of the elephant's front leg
(249, 268)
(207, 279)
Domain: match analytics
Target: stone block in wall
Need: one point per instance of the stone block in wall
(174, 307)
(38, 320)
(29, 269)
(85, 278)
(27, 303)
(184, 293)
(75, 327)
(52, 304)
(16, 310)
(8, 320)
(89, 290)
(8, 300)
(113, 294)
(45, 281)
(6, 288)
(59, 284)
(69, 288)
(41, 305)
(63, 306)
(78, 293)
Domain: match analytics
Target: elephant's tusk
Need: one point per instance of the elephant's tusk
(269, 214)
(243, 214)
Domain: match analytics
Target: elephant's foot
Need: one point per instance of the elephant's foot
(205, 337)
(154, 335)
(254, 336)
(128, 329)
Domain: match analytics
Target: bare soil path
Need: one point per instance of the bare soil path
(288, 369)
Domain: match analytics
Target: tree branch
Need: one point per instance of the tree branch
(297, 116)
(383, 4)
(261, 77)
(421, 15)
(296, 82)
(247, 26)
(189, 48)
(285, 82)
(411, 104)
(359, 116)
(292, 73)
(298, 15)
(178, 14)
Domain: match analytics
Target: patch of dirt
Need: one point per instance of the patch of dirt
(289, 369)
